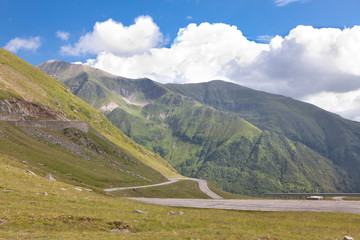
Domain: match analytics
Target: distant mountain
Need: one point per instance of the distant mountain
(222, 132)
(330, 135)
(100, 157)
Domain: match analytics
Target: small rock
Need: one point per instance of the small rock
(142, 212)
(45, 193)
(64, 189)
(31, 172)
(88, 189)
(268, 238)
(175, 213)
(79, 189)
(348, 238)
(119, 230)
(2, 221)
(50, 177)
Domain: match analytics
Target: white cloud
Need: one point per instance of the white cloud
(305, 62)
(281, 3)
(63, 35)
(31, 43)
(199, 53)
(113, 37)
(346, 104)
(264, 38)
(308, 64)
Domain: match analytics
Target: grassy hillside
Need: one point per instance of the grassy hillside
(201, 141)
(19, 79)
(72, 156)
(328, 134)
(66, 213)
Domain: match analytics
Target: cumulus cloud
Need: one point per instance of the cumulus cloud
(281, 3)
(63, 35)
(115, 38)
(199, 53)
(346, 104)
(31, 43)
(303, 64)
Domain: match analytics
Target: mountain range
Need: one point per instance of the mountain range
(245, 141)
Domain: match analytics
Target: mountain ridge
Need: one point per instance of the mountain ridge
(202, 138)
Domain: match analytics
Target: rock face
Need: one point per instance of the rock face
(11, 117)
(28, 109)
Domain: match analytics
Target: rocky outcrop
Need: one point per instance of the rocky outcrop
(11, 117)
(29, 109)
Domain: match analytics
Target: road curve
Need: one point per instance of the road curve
(260, 204)
(202, 185)
(205, 188)
(172, 180)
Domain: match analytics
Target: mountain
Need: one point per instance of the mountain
(330, 135)
(209, 139)
(62, 135)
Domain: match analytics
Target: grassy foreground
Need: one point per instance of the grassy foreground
(34, 207)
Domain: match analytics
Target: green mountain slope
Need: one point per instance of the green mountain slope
(84, 159)
(102, 157)
(328, 134)
(201, 141)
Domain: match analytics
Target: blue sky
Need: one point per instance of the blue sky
(305, 49)
(43, 18)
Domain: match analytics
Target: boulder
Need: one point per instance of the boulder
(119, 230)
(50, 177)
(31, 172)
(175, 213)
(142, 212)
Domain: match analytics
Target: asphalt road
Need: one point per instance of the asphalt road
(145, 186)
(261, 204)
(202, 185)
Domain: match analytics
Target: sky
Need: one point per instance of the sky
(305, 49)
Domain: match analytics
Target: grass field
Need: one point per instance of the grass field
(34, 207)
(351, 198)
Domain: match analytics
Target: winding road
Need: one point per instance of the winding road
(202, 185)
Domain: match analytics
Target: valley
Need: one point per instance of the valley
(45, 130)
(186, 119)
(244, 141)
